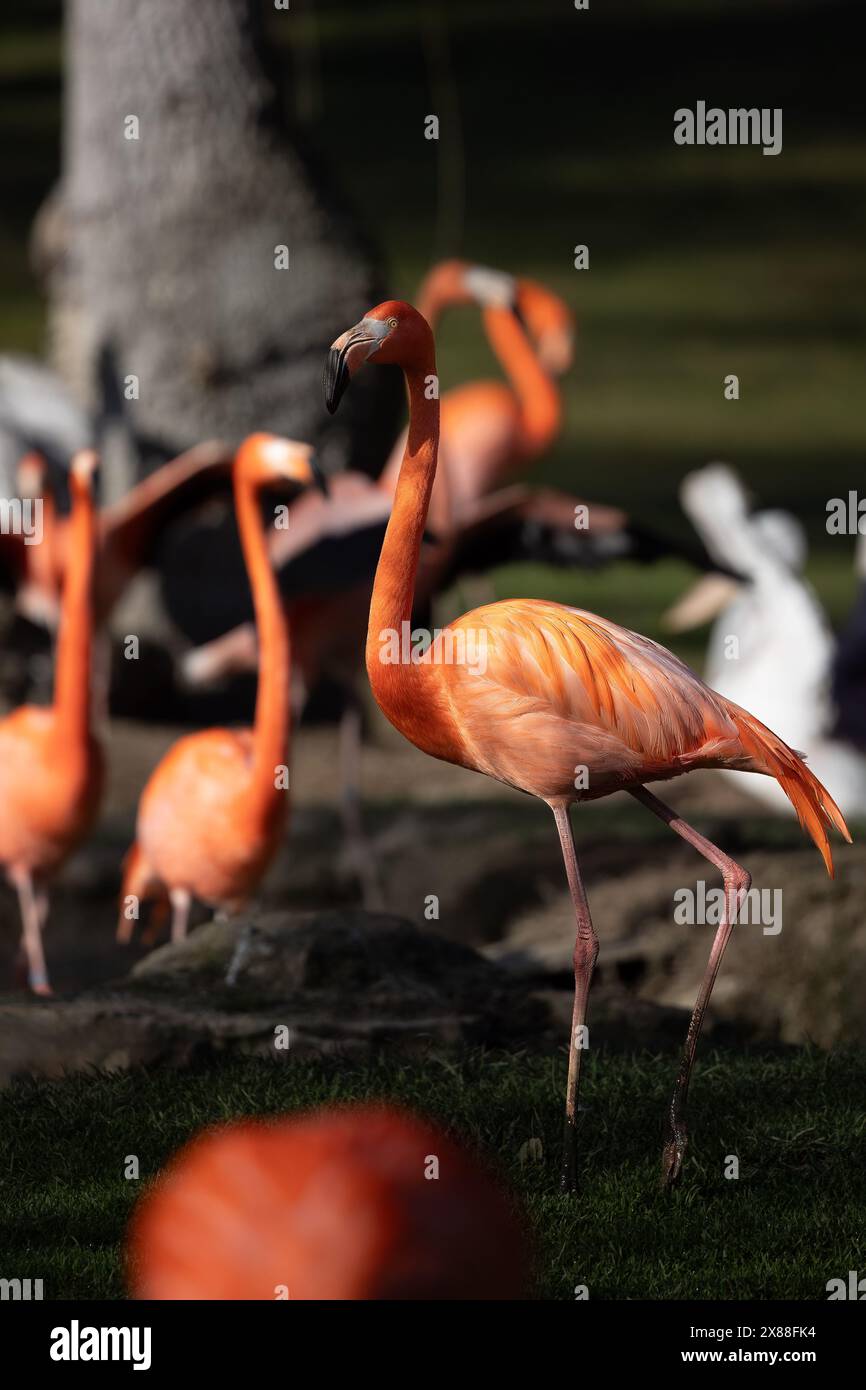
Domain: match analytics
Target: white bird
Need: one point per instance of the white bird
(771, 648)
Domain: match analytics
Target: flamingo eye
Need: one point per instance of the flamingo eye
(392, 323)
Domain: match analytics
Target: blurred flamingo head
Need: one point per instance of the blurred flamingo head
(269, 460)
(546, 318)
(445, 284)
(82, 471)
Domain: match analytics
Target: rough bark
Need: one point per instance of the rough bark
(165, 264)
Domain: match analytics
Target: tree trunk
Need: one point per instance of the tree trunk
(165, 266)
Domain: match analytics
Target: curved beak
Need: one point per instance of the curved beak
(346, 354)
(336, 376)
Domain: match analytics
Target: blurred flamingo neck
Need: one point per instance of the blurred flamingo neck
(271, 728)
(75, 638)
(536, 391)
(394, 587)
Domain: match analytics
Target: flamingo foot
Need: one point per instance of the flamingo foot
(673, 1153)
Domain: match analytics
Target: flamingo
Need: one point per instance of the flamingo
(782, 663)
(565, 705)
(50, 761)
(213, 811)
(338, 1204)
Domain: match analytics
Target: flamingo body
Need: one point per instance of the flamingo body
(49, 791)
(563, 690)
(193, 829)
(212, 813)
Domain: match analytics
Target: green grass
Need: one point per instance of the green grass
(790, 1222)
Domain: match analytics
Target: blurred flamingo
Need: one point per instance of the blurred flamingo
(50, 761)
(555, 701)
(338, 1204)
(213, 811)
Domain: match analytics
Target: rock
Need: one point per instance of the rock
(346, 980)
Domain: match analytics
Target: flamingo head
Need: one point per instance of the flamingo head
(82, 470)
(546, 318)
(392, 333)
(443, 285)
(269, 460)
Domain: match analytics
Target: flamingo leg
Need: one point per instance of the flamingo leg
(181, 902)
(737, 882)
(585, 955)
(360, 852)
(33, 903)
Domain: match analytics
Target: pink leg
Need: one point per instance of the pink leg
(181, 902)
(33, 903)
(585, 955)
(737, 882)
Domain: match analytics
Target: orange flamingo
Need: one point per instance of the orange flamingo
(50, 761)
(334, 1205)
(212, 813)
(565, 705)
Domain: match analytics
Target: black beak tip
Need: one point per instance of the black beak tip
(335, 379)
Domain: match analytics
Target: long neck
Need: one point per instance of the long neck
(75, 638)
(537, 393)
(271, 728)
(394, 586)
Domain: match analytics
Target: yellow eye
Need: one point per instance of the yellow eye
(392, 323)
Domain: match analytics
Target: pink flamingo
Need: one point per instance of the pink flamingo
(568, 707)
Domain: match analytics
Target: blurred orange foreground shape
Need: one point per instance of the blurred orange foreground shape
(332, 1205)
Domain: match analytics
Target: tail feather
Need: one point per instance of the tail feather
(816, 810)
(139, 881)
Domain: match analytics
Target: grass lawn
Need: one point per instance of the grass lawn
(793, 1219)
